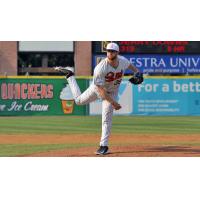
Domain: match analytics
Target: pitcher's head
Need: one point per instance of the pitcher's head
(112, 50)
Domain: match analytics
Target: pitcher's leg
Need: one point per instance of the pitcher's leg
(107, 113)
(81, 99)
(74, 87)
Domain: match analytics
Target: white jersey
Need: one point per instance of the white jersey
(108, 76)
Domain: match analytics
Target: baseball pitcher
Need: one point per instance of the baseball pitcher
(107, 77)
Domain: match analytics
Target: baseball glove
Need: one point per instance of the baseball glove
(137, 78)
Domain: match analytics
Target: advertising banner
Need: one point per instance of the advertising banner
(157, 96)
(161, 64)
(170, 96)
(39, 96)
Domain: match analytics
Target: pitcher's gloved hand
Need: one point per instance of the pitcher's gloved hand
(137, 78)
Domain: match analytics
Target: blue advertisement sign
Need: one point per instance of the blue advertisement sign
(167, 97)
(157, 96)
(161, 64)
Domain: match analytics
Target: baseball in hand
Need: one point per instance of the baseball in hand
(116, 106)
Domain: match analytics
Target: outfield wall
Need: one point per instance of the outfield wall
(39, 96)
(157, 96)
(51, 96)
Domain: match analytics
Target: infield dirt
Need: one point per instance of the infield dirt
(120, 145)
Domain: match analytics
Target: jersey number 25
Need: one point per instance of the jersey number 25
(111, 76)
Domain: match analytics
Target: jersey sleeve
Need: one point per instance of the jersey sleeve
(99, 76)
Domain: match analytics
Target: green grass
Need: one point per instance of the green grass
(139, 125)
(27, 149)
(92, 125)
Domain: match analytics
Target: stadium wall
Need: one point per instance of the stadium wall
(169, 95)
(39, 96)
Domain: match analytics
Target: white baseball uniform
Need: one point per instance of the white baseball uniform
(110, 78)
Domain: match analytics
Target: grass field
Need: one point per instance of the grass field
(32, 136)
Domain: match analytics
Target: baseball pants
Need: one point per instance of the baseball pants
(90, 95)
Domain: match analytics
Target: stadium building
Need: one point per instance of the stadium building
(39, 58)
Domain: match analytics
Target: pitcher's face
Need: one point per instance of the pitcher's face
(112, 55)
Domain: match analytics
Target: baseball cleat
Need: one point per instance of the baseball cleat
(103, 150)
(67, 71)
